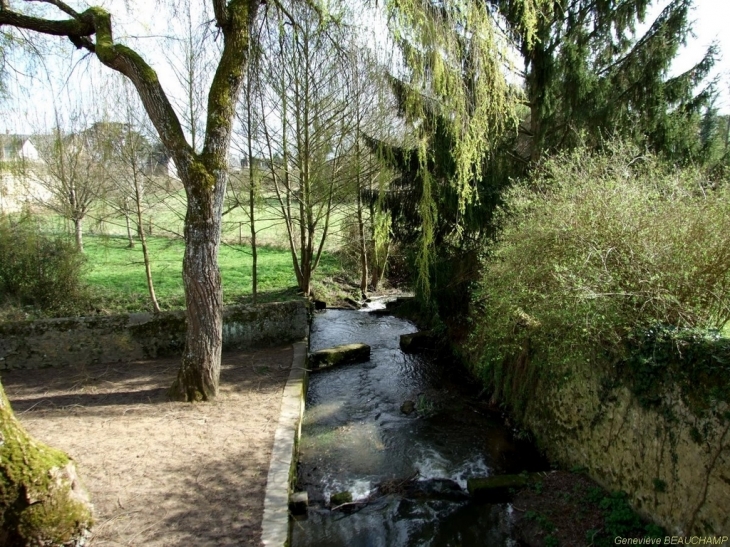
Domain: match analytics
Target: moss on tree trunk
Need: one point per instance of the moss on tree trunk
(42, 502)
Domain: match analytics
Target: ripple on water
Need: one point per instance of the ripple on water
(354, 436)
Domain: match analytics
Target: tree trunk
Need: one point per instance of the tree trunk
(145, 250)
(79, 234)
(251, 191)
(254, 251)
(200, 370)
(130, 239)
(41, 499)
(148, 268)
(362, 248)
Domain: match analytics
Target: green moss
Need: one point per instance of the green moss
(148, 73)
(340, 498)
(36, 502)
(202, 178)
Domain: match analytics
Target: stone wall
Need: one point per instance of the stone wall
(109, 339)
(675, 466)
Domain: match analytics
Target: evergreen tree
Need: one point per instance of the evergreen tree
(586, 76)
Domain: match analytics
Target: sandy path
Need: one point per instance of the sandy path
(162, 473)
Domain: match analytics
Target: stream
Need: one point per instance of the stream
(355, 437)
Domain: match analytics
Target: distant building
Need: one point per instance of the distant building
(160, 163)
(20, 167)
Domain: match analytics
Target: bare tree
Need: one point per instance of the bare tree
(245, 192)
(74, 174)
(129, 174)
(193, 66)
(305, 133)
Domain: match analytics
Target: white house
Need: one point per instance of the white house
(20, 167)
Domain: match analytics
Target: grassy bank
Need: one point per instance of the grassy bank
(115, 273)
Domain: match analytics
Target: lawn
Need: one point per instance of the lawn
(116, 276)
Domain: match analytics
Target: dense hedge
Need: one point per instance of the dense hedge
(594, 249)
(38, 269)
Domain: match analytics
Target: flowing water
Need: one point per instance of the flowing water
(354, 437)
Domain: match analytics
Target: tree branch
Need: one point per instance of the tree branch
(60, 5)
(227, 81)
(97, 21)
(220, 9)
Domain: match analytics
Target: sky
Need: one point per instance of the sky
(23, 115)
(710, 23)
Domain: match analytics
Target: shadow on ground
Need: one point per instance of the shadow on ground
(161, 473)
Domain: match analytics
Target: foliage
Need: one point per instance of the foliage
(595, 248)
(39, 270)
(454, 87)
(588, 72)
(619, 519)
(457, 229)
(661, 356)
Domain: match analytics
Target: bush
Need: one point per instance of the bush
(37, 269)
(595, 247)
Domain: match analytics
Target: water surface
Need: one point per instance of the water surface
(354, 437)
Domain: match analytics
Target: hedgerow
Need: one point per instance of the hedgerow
(595, 249)
(38, 269)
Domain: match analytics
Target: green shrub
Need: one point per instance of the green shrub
(595, 247)
(37, 269)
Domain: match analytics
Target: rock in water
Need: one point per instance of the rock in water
(435, 489)
(417, 341)
(499, 488)
(298, 503)
(340, 498)
(408, 407)
(339, 355)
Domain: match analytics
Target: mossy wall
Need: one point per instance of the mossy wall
(673, 461)
(110, 339)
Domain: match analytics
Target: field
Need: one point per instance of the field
(116, 276)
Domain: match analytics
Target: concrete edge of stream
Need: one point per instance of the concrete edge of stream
(282, 467)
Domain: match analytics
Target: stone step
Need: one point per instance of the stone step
(339, 355)
(499, 488)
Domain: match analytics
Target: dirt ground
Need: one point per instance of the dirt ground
(162, 473)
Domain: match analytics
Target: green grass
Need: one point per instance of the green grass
(116, 276)
(115, 273)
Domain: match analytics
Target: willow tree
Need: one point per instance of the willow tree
(456, 60)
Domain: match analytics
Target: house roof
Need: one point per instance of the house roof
(11, 145)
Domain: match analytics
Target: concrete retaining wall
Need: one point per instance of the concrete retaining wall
(275, 526)
(109, 339)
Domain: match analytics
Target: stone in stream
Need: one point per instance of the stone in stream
(407, 407)
(417, 341)
(435, 489)
(339, 355)
(340, 498)
(354, 304)
(499, 488)
(298, 503)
